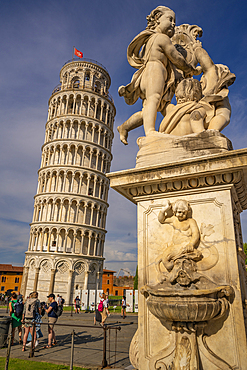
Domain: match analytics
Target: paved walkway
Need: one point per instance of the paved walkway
(88, 345)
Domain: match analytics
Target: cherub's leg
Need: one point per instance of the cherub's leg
(196, 122)
(218, 123)
(136, 120)
(152, 86)
(222, 117)
(150, 113)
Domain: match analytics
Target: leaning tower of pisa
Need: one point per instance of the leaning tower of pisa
(67, 232)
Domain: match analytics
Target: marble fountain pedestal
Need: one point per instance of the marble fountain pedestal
(191, 266)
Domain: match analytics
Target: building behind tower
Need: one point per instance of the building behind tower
(67, 233)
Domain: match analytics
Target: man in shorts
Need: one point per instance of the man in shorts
(52, 319)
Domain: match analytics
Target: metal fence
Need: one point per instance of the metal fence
(112, 335)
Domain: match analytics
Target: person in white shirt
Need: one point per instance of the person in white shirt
(59, 300)
(123, 311)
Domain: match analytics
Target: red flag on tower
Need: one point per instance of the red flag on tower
(78, 53)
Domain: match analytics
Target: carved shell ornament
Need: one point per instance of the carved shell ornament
(184, 38)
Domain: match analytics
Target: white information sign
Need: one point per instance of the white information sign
(92, 300)
(136, 300)
(84, 299)
(129, 300)
(78, 293)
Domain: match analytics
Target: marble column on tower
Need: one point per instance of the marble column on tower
(36, 278)
(24, 281)
(86, 279)
(51, 287)
(69, 286)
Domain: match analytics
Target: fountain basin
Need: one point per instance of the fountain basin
(187, 305)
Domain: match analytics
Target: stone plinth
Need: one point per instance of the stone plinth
(165, 148)
(192, 308)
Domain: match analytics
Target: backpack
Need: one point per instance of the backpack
(59, 311)
(30, 310)
(62, 302)
(18, 308)
(100, 306)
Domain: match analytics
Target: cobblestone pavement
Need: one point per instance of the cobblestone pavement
(88, 344)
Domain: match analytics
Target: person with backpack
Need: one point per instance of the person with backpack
(101, 311)
(52, 319)
(31, 308)
(15, 311)
(62, 301)
(77, 304)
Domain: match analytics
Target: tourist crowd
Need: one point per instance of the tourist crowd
(24, 312)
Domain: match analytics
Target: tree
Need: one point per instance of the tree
(245, 251)
(136, 279)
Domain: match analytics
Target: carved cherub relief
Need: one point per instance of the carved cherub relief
(182, 257)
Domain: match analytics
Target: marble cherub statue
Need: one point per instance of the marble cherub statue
(194, 112)
(168, 55)
(154, 81)
(186, 235)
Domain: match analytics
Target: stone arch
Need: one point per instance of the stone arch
(63, 265)
(70, 104)
(73, 211)
(53, 239)
(87, 76)
(46, 264)
(97, 87)
(85, 243)
(82, 129)
(85, 103)
(75, 82)
(33, 263)
(76, 183)
(79, 266)
(70, 240)
(92, 243)
(81, 212)
(61, 239)
(78, 242)
(65, 210)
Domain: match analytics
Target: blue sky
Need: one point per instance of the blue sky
(37, 38)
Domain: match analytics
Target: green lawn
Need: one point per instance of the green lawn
(117, 309)
(115, 297)
(17, 364)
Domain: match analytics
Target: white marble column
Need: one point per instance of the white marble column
(51, 287)
(68, 297)
(36, 278)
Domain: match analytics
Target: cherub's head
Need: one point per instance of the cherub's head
(188, 89)
(162, 19)
(180, 209)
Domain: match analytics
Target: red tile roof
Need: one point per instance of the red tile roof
(104, 270)
(10, 268)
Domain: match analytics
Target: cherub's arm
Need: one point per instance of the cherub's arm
(162, 216)
(195, 234)
(208, 68)
(174, 56)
